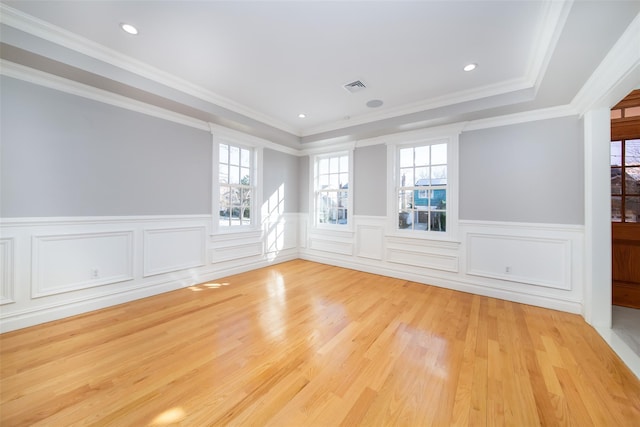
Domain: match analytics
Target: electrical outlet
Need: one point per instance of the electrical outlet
(507, 269)
(94, 273)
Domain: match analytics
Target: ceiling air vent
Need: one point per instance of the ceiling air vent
(354, 87)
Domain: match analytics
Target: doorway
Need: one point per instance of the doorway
(625, 219)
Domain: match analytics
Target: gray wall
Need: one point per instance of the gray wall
(370, 180)
(303, 184)
(63, 155)
(281, 169)
(529, 172)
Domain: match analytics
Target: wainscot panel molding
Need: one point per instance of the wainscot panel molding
(72, 262)
(328, 240)
(370, 236)
(48, 265)
(303, 230)
(540, 259)
(280, 232)
(456, 282)
(422, 259)
(536, 261)
(232, 246)
(232, 252)
(456, 265)
(435, 254)
(7, 278)
(172, 249)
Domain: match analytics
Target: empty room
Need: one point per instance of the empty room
(320, 213)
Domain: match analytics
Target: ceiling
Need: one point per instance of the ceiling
(263, 63)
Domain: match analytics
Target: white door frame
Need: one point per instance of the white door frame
(616, 76)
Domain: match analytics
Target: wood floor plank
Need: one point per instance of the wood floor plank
(302, 343)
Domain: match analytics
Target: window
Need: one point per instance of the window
(331, 189)
(236, 186)
(422, 190)
(422, 183)
(625, 180)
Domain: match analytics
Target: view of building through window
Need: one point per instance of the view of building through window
(625, 180)
(332, 189)
(422, 193)
(236, 188)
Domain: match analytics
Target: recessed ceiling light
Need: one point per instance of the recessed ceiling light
(302, 115)
(374, 103)
(470, 67)
(128, 28)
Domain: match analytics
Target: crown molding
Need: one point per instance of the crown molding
(322, 147)
(49, 32)
(550, 30)
(51, 81)
(435, 132)
(460, 97)
(223, 132)
(552, 22)
(61, 84)
(622, 63)
(522, 117)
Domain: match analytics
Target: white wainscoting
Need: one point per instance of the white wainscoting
(172, 249)
(541, 258)
(544, 260)
(331, 241)
(71, 262)
(369, 237)
(49, 264)
(536, 261)
(437, 255)
(280, 233)
(7, 278)
(51, 268)
(303, 230)
(233, 246)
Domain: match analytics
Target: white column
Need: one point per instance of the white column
(597, 136)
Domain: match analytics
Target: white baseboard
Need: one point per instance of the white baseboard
(621, 348)
(54, 268)
(149, 266)
(169, 252)
(447, 283)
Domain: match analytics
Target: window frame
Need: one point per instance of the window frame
(313, 191)
(624, 192)
(255, 170)
(450, 137)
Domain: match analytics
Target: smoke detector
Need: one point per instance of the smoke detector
(354, 87)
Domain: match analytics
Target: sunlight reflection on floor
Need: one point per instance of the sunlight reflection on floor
(274, 308)
(204, 286)
(170, 416)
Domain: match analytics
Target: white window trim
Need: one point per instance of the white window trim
(313, 159)
(451, 138)
(256, 181)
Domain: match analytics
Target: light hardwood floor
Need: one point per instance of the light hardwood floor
(303, 344)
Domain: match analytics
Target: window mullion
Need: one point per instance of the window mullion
(235, 200)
